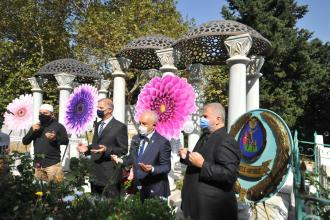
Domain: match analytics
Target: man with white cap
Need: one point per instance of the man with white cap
(47, 136)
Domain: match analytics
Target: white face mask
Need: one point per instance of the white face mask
(143, 130)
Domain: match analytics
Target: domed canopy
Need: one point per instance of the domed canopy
(205, 43)
(83, 72)
(142, 51)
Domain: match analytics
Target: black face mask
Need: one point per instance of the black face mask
(100, 113)
(44, 119)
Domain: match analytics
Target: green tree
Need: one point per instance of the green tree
(32, 34)
(316, 116)
(109, 25)
(216, 84)
(293, 69)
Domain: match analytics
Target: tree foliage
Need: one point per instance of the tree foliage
(216, 84)
(109, 25)
(32, 34)
(295, 67)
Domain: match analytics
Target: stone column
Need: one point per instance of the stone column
(166, 58)
(252, 85)
(119, 86)
(196, 72)
(36, 83)
(104, 88)
(64, 81)
(237, 47)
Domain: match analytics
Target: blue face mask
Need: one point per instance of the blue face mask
(100, 113)
(204, 123)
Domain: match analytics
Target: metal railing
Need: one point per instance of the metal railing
(307, 206)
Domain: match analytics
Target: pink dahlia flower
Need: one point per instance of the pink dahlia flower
(172, 98)
(19, 113)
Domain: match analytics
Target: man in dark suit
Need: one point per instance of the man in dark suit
(110, 137)
(150, 155)
(212, 170)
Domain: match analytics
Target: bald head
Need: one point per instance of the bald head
(215, 114)
(149, 119)
(150, 116)
(217, 110)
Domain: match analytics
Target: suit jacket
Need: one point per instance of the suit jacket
(207, 192)
(114, 137)
(158, 154)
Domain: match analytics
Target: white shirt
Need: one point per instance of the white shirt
(147, 142)
(106, 122)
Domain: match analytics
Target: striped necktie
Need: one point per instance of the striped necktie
(101, 128)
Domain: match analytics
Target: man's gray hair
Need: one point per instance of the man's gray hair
(107, 101)
(153, 115)
(218, 110)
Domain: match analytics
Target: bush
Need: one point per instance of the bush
(23, 197)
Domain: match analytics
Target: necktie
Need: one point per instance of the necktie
(101, 128)
(142, 146)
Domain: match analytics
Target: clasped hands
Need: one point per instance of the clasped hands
(144, 167)
(82, 148)
(51, 135)
(195, 158)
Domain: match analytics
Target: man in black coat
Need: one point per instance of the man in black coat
(110, 137)
(47, 136)
(212, 170)
(150, 155)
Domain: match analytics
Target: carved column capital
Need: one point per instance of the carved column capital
(238, 45)
(36, 83)
(118, 65)
(124, 63)
(151, 73)
(254, 67)
(166, 58)
(64, 80)
(104, 85)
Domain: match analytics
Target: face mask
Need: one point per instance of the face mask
(44, 119)
(143, 130)
(100, 113)
(204, 123)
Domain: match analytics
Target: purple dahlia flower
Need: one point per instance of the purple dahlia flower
(81, 109)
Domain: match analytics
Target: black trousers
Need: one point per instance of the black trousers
(110, 191)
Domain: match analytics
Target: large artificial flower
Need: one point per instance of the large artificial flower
(172, 98)
(81, 109)
(19, 113)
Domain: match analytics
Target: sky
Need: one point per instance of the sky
(316, 20)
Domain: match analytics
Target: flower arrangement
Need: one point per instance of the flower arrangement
(172, 98)
(81, 109)
(19, 113)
